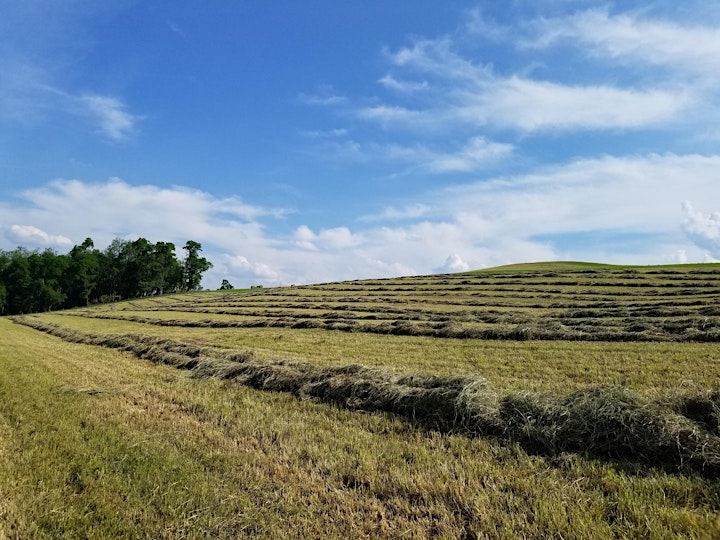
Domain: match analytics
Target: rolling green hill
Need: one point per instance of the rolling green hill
(577, 265)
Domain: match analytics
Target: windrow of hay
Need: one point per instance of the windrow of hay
(679, 432)
(539, 329)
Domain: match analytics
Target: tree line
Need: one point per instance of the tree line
(34, 281)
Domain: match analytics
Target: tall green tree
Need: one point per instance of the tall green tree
(166, 270)
(40, 281)
(47, 270)
(19, 283)
(194, 266)
(4, 261)
(3, 298)
(110, 273)
(81, 276)
(137, 279)
(225, 285)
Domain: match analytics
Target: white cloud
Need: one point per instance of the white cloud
(640, 193)
(391, 82)
(448, 84)
(325, 95)
(326, 134)
(530, 106)
(390, 116)
(528, 217)
(114, 121)
(115, 208)
(257, 270)
(467, 95)
(437, 58)
(29, 97)
(702, 229)
(681, 257)
(629, 36)
(411, 211)
(28, 234)
(477, 25)
(176, 28)
(453, 264)
(475, 154)
(304, 238)
(327, 239)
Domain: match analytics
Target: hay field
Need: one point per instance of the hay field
(537, 302)
(569, 401)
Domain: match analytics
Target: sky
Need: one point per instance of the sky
(316, 141)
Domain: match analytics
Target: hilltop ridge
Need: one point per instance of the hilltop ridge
(581, 265)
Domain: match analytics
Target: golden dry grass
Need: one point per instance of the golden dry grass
(558, 366)
(99, 444)
(96, 443)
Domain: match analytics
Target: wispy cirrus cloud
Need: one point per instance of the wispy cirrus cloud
(388, 81)
(39, 85)
(467, 94)
(531, 105)
(394, 116)
(691, 47)
(391, 213)
(473, 155)
(111, 116)
(29, 97)
(324, 95)
(25, 93)
(445, 84)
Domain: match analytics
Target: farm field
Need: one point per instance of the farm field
(555, 400)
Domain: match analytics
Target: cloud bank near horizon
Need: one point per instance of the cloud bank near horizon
(560, 214)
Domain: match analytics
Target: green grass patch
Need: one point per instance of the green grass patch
(578, 265)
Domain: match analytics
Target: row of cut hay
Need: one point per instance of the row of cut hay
(680, 432)
(688, 330)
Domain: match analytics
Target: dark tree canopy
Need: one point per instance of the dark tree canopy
(32, 281)
(194, 266)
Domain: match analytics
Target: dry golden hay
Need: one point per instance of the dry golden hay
(570, 325)
(679, 432)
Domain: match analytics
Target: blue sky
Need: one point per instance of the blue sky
(315, 141)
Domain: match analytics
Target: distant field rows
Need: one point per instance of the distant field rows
(587, 305)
